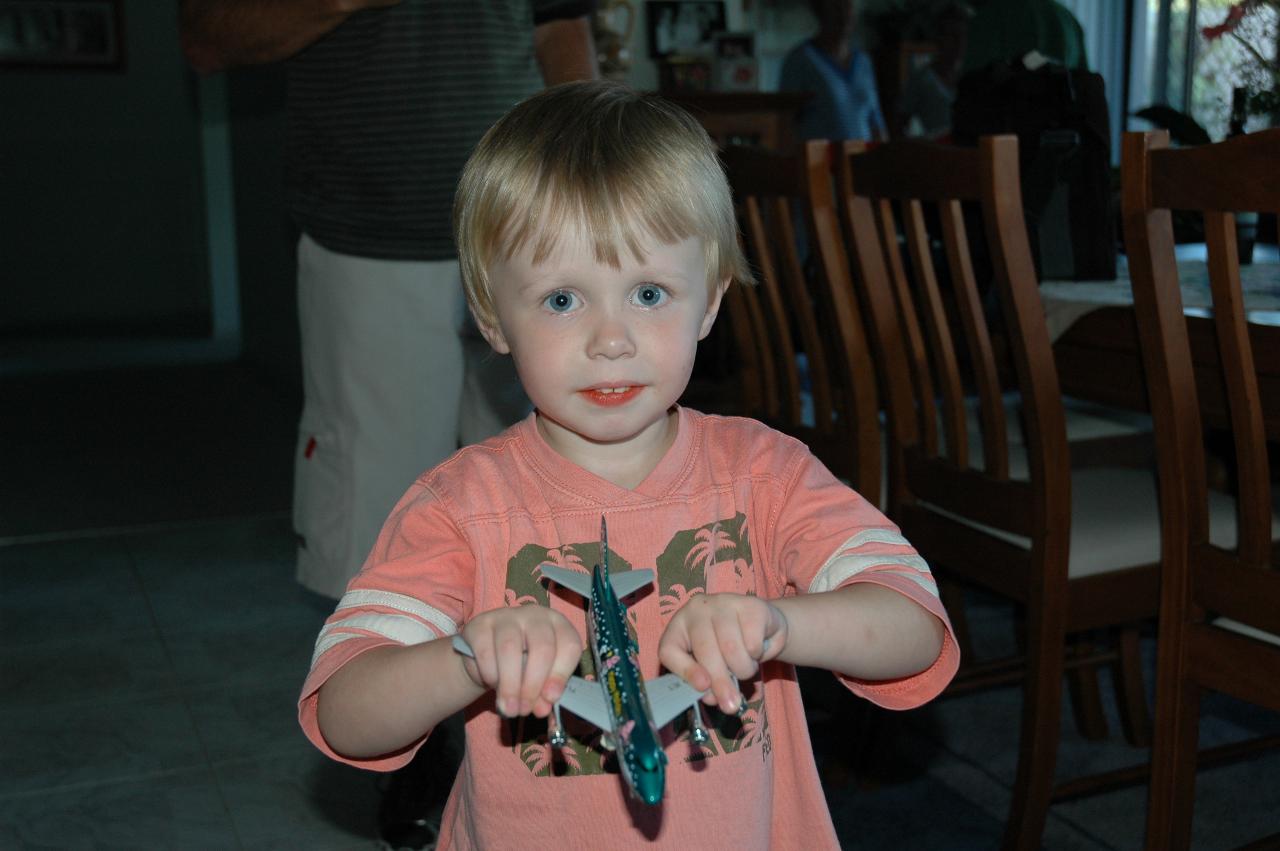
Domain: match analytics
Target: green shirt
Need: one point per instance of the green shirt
(1007, 29)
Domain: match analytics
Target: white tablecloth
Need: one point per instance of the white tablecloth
(1066, 301)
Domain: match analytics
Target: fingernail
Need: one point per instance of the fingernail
(504, 707)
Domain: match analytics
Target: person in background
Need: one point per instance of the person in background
(385, 100)
(845, 103)
(597, 236)
(925, 106)
(1004, 30)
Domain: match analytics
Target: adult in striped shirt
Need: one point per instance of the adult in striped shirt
(386, 99)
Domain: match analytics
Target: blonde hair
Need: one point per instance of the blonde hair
(624, 167)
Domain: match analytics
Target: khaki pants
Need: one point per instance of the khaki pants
(395, 379)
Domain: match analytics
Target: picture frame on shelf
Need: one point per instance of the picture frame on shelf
(62, 34)
(685, 74)
(683, 27)
(736, 67)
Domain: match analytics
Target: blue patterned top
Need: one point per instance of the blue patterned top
(845, 104)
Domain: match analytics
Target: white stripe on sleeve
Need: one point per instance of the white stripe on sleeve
(360, 598)
(844, 564)
(401, 629)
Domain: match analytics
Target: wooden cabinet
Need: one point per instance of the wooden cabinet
(766, 119)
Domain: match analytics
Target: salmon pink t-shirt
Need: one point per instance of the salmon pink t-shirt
(733, 506)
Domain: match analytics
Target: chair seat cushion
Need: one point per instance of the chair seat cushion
(1085, 421)
(1115, 521)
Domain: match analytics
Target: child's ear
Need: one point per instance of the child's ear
(713, 308)
(492, 334)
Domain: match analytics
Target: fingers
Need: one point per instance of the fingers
(715, 641)
(719, 637)
(540, 651)
(525, 655)
(565, 662)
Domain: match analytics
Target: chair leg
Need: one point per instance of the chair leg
(1086, 695)
(1041, 716)
(1131, 691)
(1173, 751)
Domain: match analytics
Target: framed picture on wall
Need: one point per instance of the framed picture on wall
(683, 27)
(64, 34)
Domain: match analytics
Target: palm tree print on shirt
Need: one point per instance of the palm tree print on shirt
(720, 550)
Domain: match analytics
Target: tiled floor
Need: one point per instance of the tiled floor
(150, 678)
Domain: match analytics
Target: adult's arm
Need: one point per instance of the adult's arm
(565, 50)
(221, 34)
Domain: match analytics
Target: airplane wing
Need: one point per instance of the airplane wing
(624, 583)
(579, 583)
(669, 695)
(630, 581)
(586, 700)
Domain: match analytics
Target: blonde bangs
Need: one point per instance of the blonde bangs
(625, 170)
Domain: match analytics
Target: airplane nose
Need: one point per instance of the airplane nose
(650, 785)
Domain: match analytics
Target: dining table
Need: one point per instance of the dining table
(1095, 336)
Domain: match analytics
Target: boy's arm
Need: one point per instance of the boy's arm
(865, 631)
(221, 34)
(565, 50)
(390, 696)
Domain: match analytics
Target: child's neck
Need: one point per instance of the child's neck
(623, 464)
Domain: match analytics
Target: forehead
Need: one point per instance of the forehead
(575, 252)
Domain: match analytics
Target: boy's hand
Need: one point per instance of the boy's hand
(525, 654)
(715, 635)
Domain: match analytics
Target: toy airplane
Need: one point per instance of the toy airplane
(629, 710)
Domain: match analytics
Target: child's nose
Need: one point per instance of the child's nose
(611, 338)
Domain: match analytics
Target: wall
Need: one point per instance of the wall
(778, 24)
(265, 233)
(102, 227)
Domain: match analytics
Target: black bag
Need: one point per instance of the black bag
(1064, 147)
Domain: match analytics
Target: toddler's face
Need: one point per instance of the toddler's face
(602, 352)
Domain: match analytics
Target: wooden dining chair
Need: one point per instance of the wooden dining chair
(1077, 549)
(799, 332)
(1220, 590)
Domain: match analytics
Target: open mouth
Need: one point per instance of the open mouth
(610, 396)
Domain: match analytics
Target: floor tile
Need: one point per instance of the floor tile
(181, 810)
(239, 722)
(249, 654)
(43, 748)
(79, 589)
(301, 801)
(74, 670)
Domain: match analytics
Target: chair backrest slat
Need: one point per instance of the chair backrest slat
(801, 308)
(782, 383)
(1244, 403)
(806, 301)
(944, 361)
(908, 322)
(977, 336)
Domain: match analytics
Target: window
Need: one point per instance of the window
(1174, 64)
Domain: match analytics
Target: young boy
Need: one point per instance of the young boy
(597, 239)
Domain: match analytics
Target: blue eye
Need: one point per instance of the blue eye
(650, 295)
(561, 301)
